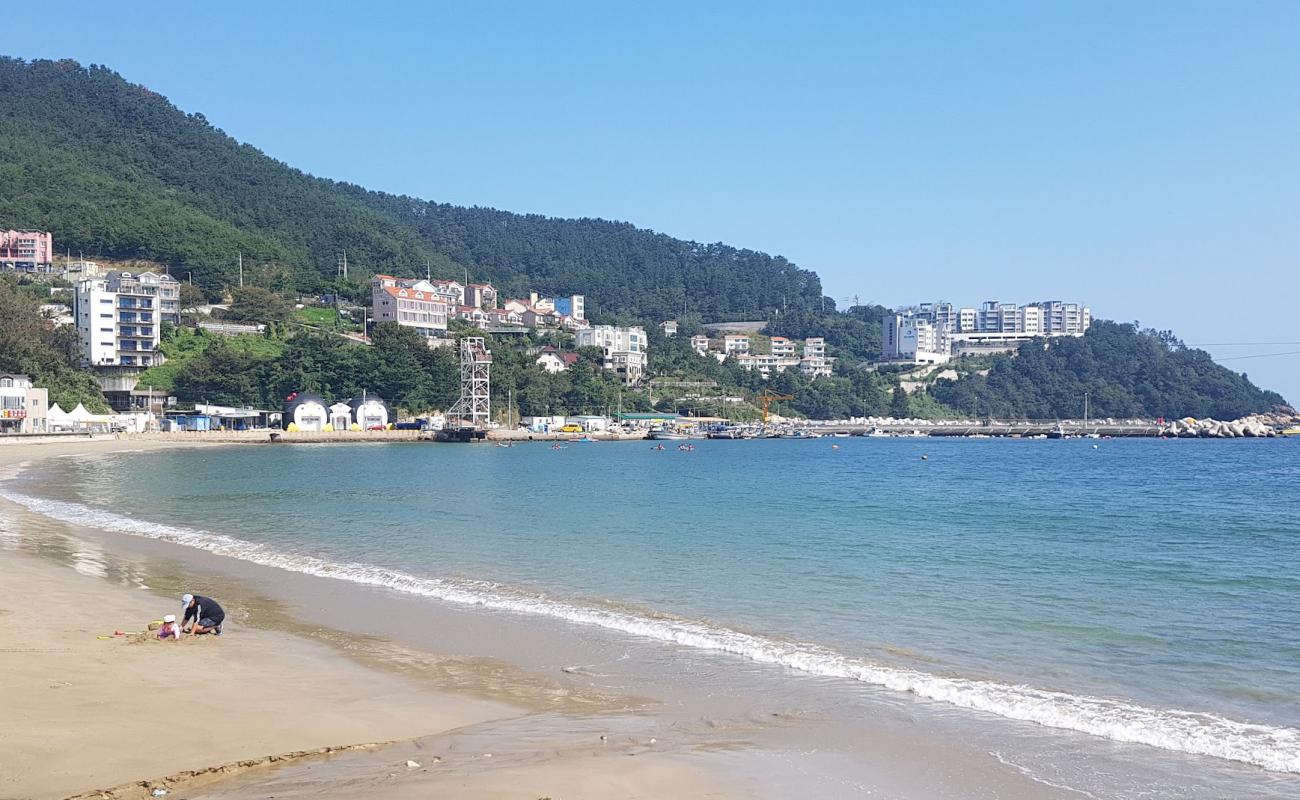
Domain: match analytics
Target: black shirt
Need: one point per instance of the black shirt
(204, 608)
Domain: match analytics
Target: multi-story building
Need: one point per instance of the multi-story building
(119, 317)
(929, 330)
(410, 303)
(452, 292)
(624, 349)
(784, 348)
(700, 343)
(26, 251)
(669, 327)
(815, 363)
(23, 407)
(482, 295)
(1030, 320)
(735, 343)
(914, 339)
(575, 305)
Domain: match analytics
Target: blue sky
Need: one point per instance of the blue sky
(1140, 157)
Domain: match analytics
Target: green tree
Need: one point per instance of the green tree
(255, 304)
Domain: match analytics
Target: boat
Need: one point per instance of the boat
(664, 434)
(1056, 433)
(841, 434)
(1294, 430)
(727, 432)
(801, 434)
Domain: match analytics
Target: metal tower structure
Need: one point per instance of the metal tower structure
(474, 406)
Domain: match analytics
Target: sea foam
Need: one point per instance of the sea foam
(1270, 747)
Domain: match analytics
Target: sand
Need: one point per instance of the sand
(307, 665)
(84, 714)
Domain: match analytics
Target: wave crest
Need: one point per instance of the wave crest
(1270, 747)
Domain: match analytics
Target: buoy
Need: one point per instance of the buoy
(924, 457)
(1094, 447)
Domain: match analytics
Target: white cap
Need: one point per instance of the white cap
(170, 618)
(186, 599)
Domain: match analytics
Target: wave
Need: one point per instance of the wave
(1272, 748)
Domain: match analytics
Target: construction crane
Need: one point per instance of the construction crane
(767, 397)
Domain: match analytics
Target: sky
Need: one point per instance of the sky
(1141, 158)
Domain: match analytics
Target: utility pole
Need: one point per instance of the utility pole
(345, 264)
(241, 269)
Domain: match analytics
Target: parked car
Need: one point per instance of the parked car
(571, 429)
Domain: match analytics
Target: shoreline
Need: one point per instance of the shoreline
(724, 741)
(121, 715)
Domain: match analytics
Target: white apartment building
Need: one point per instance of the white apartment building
(624, 348)
(700, 344)
(815, 363)
(669, 327)
(119, 317)
(410, 303)
(784, 348)
(921, 332)
(735, 343)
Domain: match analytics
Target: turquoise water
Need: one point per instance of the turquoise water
(1143, 591)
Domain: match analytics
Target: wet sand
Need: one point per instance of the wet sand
(309, 663)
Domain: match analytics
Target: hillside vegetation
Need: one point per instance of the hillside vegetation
(114, 169)
(1126, 373)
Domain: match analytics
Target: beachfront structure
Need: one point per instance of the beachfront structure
(119, 317)
(306, 412)
(411, 303)
(340, 416)
(234, 418)
(23, 406)
(624, 349)
(26, 251)
(993, 327)
(371, 412)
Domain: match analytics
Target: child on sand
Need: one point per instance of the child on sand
(169, 628)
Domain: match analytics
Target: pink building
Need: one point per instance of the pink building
(409, 302)
(27, 251)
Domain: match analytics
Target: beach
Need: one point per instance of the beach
(86, 713)
(351, 628)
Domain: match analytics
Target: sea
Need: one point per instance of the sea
(1135, 603)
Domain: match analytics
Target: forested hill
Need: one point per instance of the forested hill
(1125, 372)
(117, 171)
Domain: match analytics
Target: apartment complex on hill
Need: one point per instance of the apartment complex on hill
(931, 333)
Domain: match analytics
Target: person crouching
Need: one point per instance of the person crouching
(205, 612)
